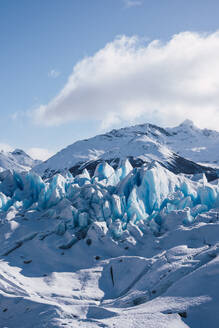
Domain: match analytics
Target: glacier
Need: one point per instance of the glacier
(125, 247)
(123, 198)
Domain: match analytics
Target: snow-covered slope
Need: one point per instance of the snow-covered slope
(198, 145)
(142, 143)
(16, 160)
(126, 248)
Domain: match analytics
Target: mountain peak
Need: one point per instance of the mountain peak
(142, 143)
(187, 123)
(16, 160)
(18, 151)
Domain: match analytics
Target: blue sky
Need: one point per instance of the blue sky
(42, 41)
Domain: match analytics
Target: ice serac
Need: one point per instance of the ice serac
(122, 198)
(103, 171)
(124, 169)
(97, 246)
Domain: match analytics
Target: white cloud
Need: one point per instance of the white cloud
(128, 79)
(39, 153)
(53, 73)
(20, 115)
(132, 3)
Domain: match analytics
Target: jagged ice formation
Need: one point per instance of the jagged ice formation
(130, 201)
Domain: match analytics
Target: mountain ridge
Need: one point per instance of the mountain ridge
(16, 160)
(144, 142)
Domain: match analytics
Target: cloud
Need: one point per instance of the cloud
(53, 73)
(130, 80)
(132, 3)
(14, 116)
(19, 115)
(39, 153)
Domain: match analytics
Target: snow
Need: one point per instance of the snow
(146, 142)
(124, 248)
(199, 145)
(16, 160)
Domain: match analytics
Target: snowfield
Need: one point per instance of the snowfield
(116, 246)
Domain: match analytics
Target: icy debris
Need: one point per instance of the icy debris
(97, 230)
(104, 171)
(134, 230)
(83, 220)
(61, 228)
(129, 201)
(4, 201)
(116, 228)
(106, 209)
(198, 209)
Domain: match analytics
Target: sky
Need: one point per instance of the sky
(71, 69)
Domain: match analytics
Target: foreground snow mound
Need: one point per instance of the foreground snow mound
(123, 248)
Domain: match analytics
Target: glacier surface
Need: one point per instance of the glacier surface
(123, 248)
(122, 197)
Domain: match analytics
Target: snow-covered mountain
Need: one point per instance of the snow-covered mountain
(141, 143)
(198, 145)
(16, 160)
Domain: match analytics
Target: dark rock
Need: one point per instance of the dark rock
(183, 314)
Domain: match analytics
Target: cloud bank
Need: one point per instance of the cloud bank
(128, 80)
